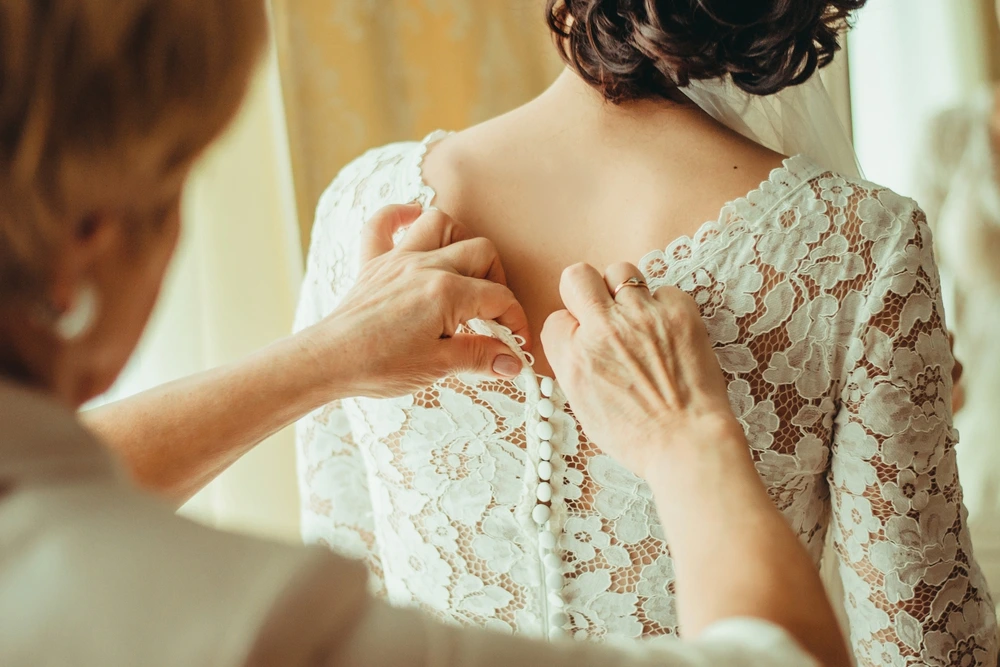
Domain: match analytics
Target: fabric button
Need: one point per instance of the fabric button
(554, 581)
(545, 450)
(552, 561)
(541, 514)
(558, 619)
(544, 492)
(546, 408)
(544, 431)
(547, 387)
(556, 601)
(547, 540)
(545, 471)
(556, 633)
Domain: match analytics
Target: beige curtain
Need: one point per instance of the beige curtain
(361, 73)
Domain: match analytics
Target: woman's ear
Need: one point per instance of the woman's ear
(92, 239)
(96, 235)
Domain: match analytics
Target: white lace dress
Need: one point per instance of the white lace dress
(481, 501)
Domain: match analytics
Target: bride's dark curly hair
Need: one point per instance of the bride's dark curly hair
(635, 49)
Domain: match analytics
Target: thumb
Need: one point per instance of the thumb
(482, 355)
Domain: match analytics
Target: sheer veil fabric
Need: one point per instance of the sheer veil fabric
(800, 120)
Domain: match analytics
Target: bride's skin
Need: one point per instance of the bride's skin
(571, 178)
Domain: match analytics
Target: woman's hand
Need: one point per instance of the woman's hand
(638, 369)
(394, 332)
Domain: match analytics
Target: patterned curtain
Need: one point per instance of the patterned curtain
(361, 73)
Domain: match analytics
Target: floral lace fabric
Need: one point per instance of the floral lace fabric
(821, 297)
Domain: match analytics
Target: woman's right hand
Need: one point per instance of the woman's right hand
(394, 332)
(638, 370)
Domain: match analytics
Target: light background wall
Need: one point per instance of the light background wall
(908, 60)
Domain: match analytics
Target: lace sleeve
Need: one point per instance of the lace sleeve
(914, 594)
(336, 507)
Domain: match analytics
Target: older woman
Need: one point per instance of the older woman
(104, 105)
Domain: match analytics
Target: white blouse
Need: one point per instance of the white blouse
(93, 573)
(482, 502)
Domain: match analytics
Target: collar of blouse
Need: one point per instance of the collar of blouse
(40, 439)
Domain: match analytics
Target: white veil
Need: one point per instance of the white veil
(799, 120)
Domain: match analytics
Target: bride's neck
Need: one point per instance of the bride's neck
(572, 94)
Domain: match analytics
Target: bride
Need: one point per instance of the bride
(480, 499)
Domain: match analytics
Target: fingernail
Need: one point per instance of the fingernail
(506, 366)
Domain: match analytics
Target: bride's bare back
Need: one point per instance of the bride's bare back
(572, 178)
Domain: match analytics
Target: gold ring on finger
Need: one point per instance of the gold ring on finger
(631, 282)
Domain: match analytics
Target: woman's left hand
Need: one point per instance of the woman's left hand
(638, 369)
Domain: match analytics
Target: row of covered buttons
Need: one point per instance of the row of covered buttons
(542, 511)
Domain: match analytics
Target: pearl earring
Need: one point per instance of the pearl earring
(80, 317)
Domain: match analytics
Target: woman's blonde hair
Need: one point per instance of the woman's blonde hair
(104, 104)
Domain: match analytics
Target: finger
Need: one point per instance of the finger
(475, 258)
(558, 329)
(958, 369)
(434, 230)
(376, 235)
(677, 303)
(616, 277)
(670, 295)
(481, 355)
(557, 334)
(485, 300)
(583, 291)
(957, 399)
